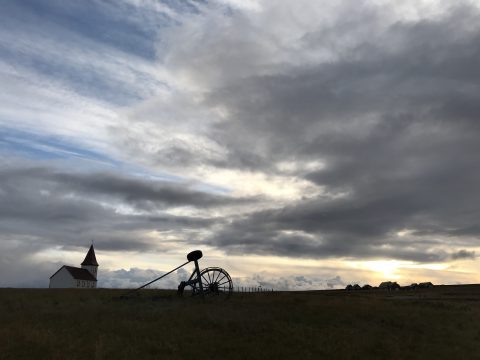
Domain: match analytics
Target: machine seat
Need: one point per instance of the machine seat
(194, 255)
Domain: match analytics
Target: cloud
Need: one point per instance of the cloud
(383, 99)
(134, 190)
(120, 212)
(464, 254)
(18, 264)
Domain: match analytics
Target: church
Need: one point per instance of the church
(74, 277)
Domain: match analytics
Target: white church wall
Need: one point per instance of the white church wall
(62, 279)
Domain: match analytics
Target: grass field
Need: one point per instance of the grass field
(438, 323)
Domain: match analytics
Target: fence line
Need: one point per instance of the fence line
(252, 289)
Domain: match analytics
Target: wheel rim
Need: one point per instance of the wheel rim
(216, 282)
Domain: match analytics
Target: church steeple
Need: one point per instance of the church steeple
(90, 263)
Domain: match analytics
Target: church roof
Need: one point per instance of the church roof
(77, 273)
(80, 274)
(90, 259)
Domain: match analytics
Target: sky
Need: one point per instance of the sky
(299, 144)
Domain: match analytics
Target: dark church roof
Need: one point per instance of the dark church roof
(77, 273)
(80, 274)
(90, 259)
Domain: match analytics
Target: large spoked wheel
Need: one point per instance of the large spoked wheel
(216, 282)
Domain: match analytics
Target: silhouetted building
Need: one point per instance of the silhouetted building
(389, 285)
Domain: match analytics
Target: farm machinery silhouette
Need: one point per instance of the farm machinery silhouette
(209, 282)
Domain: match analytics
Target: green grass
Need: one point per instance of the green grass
(441, 323)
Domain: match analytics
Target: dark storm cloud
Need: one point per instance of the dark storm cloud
(323, 237)
(395, 122)
(146, 194)
(429, 79)
(62, 209)
(135, 191)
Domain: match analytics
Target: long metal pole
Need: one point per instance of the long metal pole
(141, 287)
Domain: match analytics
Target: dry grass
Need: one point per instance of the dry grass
(442, 323)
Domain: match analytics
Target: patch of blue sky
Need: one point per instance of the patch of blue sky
(45, 147)
(85, 82)
(126, 26)
(102, 22)
(36, 146)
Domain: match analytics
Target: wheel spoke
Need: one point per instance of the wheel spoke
(219, 273)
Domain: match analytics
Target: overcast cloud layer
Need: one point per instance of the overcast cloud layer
(333, 130)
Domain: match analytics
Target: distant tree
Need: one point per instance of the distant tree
(425, 285)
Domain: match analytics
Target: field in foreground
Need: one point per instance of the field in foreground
(438, 323)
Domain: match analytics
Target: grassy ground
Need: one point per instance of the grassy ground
(439, 323)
